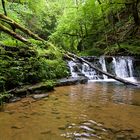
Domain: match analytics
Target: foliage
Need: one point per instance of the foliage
(22, 65)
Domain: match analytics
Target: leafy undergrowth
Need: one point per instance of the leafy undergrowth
(22, 65)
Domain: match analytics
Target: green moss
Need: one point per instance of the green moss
(21, 65)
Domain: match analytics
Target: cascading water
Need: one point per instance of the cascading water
(102, 62)
(72, 71)
(119, 66)
(89, 72)
(130, 67)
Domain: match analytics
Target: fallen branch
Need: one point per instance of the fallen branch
(18, 26)
(103, 72)
(13, 34)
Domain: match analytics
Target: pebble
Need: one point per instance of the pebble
(129, 130)
(58, 117)
(120, 137)
(10, 112)
(39, 96)
(134, 137)
(53, 112)
(15, 99)
(16, 127)
(45, 132)
(62, 127)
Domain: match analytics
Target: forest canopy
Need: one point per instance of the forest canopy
(78, 25)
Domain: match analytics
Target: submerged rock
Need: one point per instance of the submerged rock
(120, 137)
(40, 96)
(16, 127)
(15, 99)
(46, 132)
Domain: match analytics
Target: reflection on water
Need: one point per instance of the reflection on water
(92, 111)
(104, 92)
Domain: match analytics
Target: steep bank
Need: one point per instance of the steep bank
(23, 65)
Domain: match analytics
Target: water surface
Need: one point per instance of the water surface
(92, 111)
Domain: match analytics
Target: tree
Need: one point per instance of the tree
(3, 5)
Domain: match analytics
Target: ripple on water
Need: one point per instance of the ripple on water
(92, 130)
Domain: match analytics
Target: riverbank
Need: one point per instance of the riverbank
(40, 90)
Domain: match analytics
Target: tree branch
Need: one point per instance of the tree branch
(13, 34)
(12, 23)
(4, 9)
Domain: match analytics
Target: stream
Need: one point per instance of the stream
(102, 109)
(93, 111)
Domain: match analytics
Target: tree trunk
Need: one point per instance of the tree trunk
(103, 72)
(135, 12)
(103, 17)
(3, 5)
(13, 34)
(18, 26)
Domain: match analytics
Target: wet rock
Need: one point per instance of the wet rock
(14, 99)
(45, 132)
(120, 137)
(86, 128)
(39, 96)
(109, 59)
(72, 81)
(83, 135)
(80, 74)
(129, 130)
(24, 116)
(31, 89)
(55, 98)
(76, 68)
(16, 127)
(134, 137)
(66, 94)
(97, 128)
(67, 116)
(53, 112)
(37, 92)
(10, 112)
(62, 127)
(58, 117)
(113, 130)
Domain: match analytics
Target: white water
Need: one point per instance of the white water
(89, 72)
(130, 66)
(103, 64)
(71, 65)
(121, 66)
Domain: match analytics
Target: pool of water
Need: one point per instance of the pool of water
(93, 111)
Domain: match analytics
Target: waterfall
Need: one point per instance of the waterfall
(89, 72)
(71, 65)
(102, 62)
(123, 66)
(120, 66)
(130, 66)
